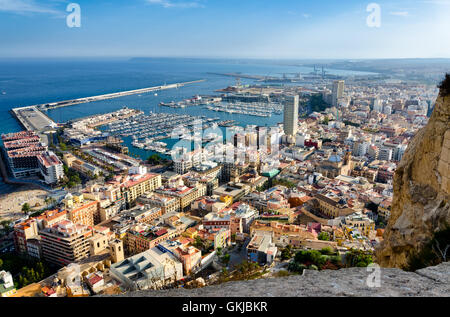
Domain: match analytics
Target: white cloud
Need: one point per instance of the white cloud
(176, 4)
(26, 6)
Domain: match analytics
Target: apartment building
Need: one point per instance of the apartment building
(27, 156)
(185, 195)
(142, 214)
(384, 209)
(332, 207)
(360, 222)
(23, 232)
(139, 184)
(82, 211)
(261, 249)
(217, 220)
(66, 242)
(142, 237)
(80, 166)
(21, 151)
(282, 234)
(51, 167)
(189, 256)
(235, 190)
(166, 203)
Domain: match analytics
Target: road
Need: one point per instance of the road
(237, 257)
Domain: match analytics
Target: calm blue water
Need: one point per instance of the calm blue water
(29, 82)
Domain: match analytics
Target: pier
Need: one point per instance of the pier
(73, 102)
(32, 119)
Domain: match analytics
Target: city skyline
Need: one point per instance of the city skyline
(231, 29)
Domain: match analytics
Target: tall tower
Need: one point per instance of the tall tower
(116, 251)
(291, 115)
(338, 91)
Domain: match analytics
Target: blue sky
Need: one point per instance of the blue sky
(284, 29)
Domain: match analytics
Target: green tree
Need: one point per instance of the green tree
(26, 208)
(226, 259)
(199, 244)
(324, 236)
(286, 253)
(6, 227)
(310, 257)
(155, 159)
(317, 103)
(296, 267)
(327, 251)
(359, 258)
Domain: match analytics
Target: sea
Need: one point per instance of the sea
(25, 82)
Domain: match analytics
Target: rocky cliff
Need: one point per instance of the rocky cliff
(432, 281)
(421, 204)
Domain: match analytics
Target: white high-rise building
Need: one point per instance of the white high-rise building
(377, 105)
(338, 91)
(362, 148)
(291, 115)
(385, 154)
(51, 167)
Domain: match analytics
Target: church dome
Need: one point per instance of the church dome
(335, 158)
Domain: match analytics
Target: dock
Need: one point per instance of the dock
(67, 103)
(32, 119)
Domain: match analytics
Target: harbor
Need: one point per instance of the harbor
(72, 102)
(147, 131)
(250, 109)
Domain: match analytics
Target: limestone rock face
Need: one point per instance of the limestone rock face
(429, 282)
(421, 202)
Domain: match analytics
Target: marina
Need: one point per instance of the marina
(251, 109)
(147, 131)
